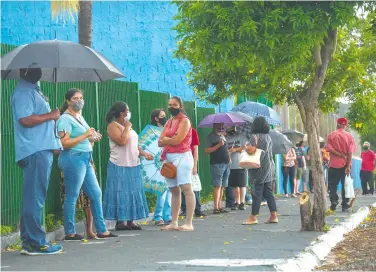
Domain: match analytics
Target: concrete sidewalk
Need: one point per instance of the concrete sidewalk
(219, 242)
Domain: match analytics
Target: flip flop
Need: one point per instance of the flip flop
(246, 223)
(274, 221)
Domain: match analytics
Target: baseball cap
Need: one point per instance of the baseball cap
(342, 121)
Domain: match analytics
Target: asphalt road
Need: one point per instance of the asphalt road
(218, 243)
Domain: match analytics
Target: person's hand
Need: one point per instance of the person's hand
(148, 156)
(221, 143)
(348, 170)
(89, 132)
(128, 125)
(231, 150)
(97, 136)
(344, 156)
(194, 170)
(54, 115)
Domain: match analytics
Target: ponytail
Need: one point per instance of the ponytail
(64, 107)
(115, 110)
(110, 116)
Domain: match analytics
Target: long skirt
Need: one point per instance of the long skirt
(124, 197)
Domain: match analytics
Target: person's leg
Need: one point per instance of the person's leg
(224, 183)
(221, 191)
(292, 173)
(269, 196)
(93, 191)
(333, 179)
(371, 183)
(345, 201)
(217, 174)
(183, 206)
(74, 169)
(167, 208)
(191, 203)
(363, 182)
(89, 222)
(242, 194)
(198, 211)
(285, 173)
(230, 200)
(305, 178)
(257, 196)
(159, 206)
(37, 170)
(237, 195)
(216, 195)
(175, 205)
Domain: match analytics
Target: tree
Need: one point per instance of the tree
(284, 49)
(68, 10)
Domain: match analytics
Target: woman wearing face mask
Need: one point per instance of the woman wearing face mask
(124, 198)
(176, 139)
(162, 212)
(75, 162)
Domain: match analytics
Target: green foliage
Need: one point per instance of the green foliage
(6, 230)
(53, 222)
(248, 47)
(80, 214)
(151, 199)
(207, 198)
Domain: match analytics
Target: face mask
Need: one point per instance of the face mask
(32, 75)
(231, 132)
(128, 117)
(174, 111)
(162, 121)
(365, 147)
(220, 130)
(78, 105)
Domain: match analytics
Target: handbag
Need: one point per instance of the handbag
(169, 170)
(196, 183)
(251, 161)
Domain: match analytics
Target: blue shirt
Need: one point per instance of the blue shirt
(70, 125)
(26, 101)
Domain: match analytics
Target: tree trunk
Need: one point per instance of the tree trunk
(305, 212)
(85, 23)
(307, 102)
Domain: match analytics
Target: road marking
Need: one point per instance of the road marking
(92, 243)
(128, 235)
(7, 266)
(228, 262)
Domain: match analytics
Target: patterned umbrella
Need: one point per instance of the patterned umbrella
(153, 181)
(257, 109)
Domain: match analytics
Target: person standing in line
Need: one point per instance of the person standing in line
(301, 168)
(216, 146)
(288, 170)
(262, 178)
(75, 162)
(325, 156)
(33, 121)
(162, 212)
(238, 176)
(196, 187)
(341, 146)
(124, 197)
(366, 171)
(176, 139)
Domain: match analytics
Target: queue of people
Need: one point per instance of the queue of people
(124, 197)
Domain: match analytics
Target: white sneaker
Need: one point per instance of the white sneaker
(249, 202)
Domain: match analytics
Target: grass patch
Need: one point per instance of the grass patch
(5, 230)
(53, 222)
(151, 200)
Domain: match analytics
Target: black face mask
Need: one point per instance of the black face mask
(32, 75)
(174, 111)
(365, 148)
(231, 132)
(162, 121)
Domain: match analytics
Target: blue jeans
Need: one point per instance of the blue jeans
(37, 170)
(163, 207)
(230, 199)
(78, 172)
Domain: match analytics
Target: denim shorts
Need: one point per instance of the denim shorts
(184, 166)
(220, 173)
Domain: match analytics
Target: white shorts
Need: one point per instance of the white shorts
(184, 167)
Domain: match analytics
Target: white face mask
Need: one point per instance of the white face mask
(128, 117)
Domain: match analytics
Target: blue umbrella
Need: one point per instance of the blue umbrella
(257, 109)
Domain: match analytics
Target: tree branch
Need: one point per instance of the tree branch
(317, 54)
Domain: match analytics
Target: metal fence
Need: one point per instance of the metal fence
(98, 99)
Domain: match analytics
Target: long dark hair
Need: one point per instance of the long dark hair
(260, 125)
(68, 96)
(115, 110)
(177, 98)
(155, 113)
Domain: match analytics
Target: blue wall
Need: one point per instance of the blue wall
(135, 36)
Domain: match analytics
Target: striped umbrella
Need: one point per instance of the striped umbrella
(257, 109)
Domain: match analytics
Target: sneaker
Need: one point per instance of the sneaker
(242, 207)
(235, 207)
(49, 249)
(249, 202)
(76, 237)
(200, 214)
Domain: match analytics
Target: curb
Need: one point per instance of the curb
(314, 254)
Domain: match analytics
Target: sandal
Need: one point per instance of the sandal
(216, 211)
(106, 236)
(134, 227)
(221, 210)
(122, 226)
(250, 222)
(272, 221)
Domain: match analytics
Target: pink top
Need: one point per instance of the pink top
(126, 155)
(171, 131)
(340, 141)
(368, 160)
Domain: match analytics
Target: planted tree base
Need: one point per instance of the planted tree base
(305, 212)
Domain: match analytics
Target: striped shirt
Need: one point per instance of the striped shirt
(265, 173)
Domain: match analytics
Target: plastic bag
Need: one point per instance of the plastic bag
(349, 187)
(196, 183)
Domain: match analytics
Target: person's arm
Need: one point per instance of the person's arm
(144, 154)
(209, 150)
(293, 157)
(68, 142)
(183, 129)
(118, 136)
(163, 134)
(236, 149)
(36, 119)
(195, 159)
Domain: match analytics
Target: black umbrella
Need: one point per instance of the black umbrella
(294, 135)
(60, 61)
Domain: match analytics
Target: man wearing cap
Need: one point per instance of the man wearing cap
(341, 146)
(366, 172)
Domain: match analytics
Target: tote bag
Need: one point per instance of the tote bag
(253, 161)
